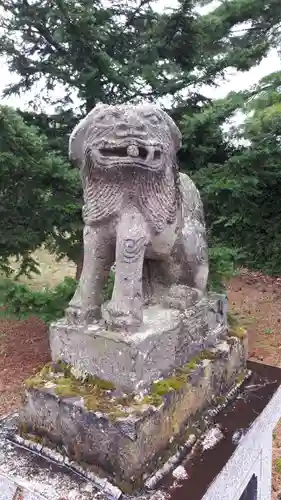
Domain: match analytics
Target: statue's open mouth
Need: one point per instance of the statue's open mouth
(132, 152)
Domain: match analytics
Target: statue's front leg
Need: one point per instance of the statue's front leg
(125, 308)
(98, 259)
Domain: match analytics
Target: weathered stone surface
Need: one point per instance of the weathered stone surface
(230, 464)
(139, 212)
(127, 445)
(168, 338)
(28, 476)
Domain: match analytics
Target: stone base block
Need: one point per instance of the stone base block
(168, 338)
(125, 435)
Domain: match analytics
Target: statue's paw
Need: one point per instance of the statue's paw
(78, 314)
(120, 317)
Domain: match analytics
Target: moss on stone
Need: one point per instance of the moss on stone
(205, 354)
(177, 381)
(46, 370)
(194, 362)
(104, 385)
(162, 387)
(35, 382)
(240, 378)
(36, 439)
(66, 387)
(153, 399)
(220, 400)
(238, 332)
(232, 319)
(98, 394)
(190, 366)
(22, 429)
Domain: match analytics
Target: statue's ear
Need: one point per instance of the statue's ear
(77, 137)
(176, 135)
(174, 130)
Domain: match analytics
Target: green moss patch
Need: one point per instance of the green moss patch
(99, 395)
(277, 465)
(96, 393)
(240, 378)
(238, 332)
(232, 319)
(194, 362)
(179, 379)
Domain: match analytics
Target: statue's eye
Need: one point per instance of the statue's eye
(154, 119)
(101, 118)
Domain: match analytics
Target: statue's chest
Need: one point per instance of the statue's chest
(156, 201)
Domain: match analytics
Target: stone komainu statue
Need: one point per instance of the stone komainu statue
(139, 212)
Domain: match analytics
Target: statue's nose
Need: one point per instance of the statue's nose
(132, 128)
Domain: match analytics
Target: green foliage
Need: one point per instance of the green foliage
(119, 51)
(268, 331)
(38, 192)
(108, 289)
(223, 265)
(239, 177)
(56, 127)
(49, 304)
(99, 52)
(123, 51)
(242, 197)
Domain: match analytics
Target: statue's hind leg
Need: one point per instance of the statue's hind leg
(195, 267)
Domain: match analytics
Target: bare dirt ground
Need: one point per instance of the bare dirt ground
(254, 297)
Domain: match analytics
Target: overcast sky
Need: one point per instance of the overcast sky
(234, 81)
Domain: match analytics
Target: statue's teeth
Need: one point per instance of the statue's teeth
(151, 150)
(133, 150)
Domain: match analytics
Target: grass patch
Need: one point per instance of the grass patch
(268, 331)
(51, 273)
(277, 465)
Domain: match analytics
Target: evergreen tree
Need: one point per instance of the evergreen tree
(124, 51)
(38, 193)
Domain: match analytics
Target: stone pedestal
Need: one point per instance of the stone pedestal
(118, 399)
(228, 461)
(167, 339)
(126, 434)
